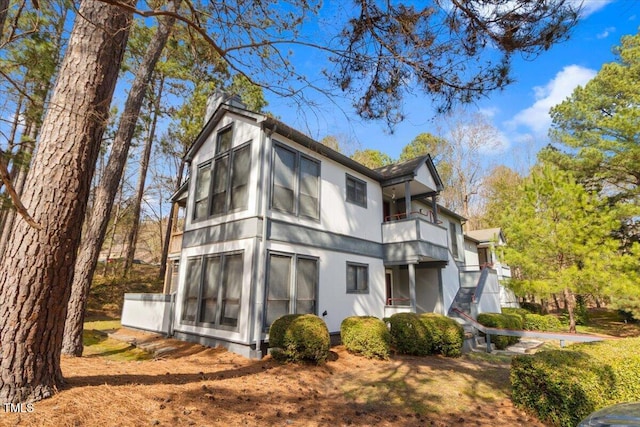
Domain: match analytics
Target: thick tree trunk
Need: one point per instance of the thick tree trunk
(569, 305)
(106, 192)
(38, 265)
(132, 236)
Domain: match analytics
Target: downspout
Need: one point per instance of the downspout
(262, 255)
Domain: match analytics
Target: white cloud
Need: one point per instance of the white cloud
(590, 6)
(537, 116)
(606, 33)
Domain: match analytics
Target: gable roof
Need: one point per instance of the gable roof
(408, 170)
(487, 235)
(397, 171)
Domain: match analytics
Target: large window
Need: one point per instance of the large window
(357, 278)
(292, 286)
(356, 191)
(295, 183)
(222, 185)
(203, 182)
(213, 290)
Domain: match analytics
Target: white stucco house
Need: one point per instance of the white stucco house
(277, 223)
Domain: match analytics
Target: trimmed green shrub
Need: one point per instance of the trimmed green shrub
(299, 337)
(502, 321)
(409, 335)
(539, 322)
(366, 335)
(522, 312)
(447, 334)
(564, 386)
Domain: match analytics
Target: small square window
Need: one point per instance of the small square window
(356, 191)
(357, 278)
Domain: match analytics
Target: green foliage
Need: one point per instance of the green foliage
(372, 159)
(562, 387)
(446, 333)
(560, 239)
(366, 335)
(598, 123)
(501, 321)
(539, 322)
(409, 334)
(299, 337)
(425, 143)
(522, 312)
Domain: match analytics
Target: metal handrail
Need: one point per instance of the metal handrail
(561, 336)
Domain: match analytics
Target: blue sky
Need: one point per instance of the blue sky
(519, 112)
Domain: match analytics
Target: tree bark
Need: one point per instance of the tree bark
(38, 265)
(132, 236)
(106, 191)
(569, 306)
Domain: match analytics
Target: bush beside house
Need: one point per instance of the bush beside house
(446, 333)
(366, 335)
(564, 386)
(409, 335)
(299, 337)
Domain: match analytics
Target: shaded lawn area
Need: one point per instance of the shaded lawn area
(117, 384)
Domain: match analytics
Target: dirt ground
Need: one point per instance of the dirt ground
(191, 385)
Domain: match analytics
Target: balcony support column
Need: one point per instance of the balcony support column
(407, 198)
(434, 205)
(412, 286)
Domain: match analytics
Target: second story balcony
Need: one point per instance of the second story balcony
(414, 238)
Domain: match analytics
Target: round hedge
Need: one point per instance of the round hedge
(447, 334)
(299, 337)
(409, 335)
(366, 335)
(564, 386)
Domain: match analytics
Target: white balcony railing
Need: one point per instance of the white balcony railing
(414, 228)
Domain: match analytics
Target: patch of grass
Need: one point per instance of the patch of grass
(493, 359)
(609, 322)
(103, 325)
(107, 292)
(98, 344)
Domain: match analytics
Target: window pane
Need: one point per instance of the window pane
(356, 191)
(357, 278)
(219, 196)
(210, 287)
(306, 284)
(351, 277)
(279, 276)
(278, 284)
(276, 309)
(203, 181)
(309, 178)
(232, 288)
(363, 278)
(240, 178)
(282, 195)
(224, 140)
(192, 286)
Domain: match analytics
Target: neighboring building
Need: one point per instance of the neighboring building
(278, 223)
(481, 251)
